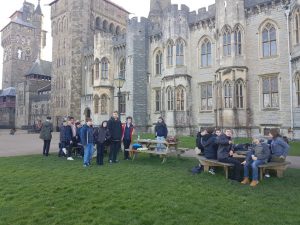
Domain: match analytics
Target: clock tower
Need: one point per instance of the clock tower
(22, 40)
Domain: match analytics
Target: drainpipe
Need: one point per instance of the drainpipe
(287, 14)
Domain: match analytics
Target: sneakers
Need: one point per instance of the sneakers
(110, 161)
(70, 158)
(245, 181)
(212, 171)
(267, 175)
(64, 150)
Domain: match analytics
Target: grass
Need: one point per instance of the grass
(53, 191)
(190, 142)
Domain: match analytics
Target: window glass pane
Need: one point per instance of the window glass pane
(203, 60)
(265, 35)
(203, 49)
(209, 47)
(275, 100)
(273, 48)
(274, 84)
(272, 34)
(209, 104)
(209, 90)
(209, 60)
(266, 86)
(266, 98)
(203, 91)
(266, 49)
(203, 104)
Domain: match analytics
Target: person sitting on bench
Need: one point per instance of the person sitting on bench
(279, 148)
(258, 155)
(225, 153)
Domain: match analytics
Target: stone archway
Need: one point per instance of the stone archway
(87, 113)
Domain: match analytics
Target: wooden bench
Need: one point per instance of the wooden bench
(134, 152)
(206, 163)
(279, 167)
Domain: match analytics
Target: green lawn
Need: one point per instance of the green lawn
(189, 142)
(39, 191)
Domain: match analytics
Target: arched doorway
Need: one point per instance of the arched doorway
(87, 113)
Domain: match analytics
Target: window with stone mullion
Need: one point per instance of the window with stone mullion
(206, 54)
(157, 101)
(270, 92)
(298, 90)
(297, 28)
(170, 55)
(227, 43)
(123, 103)
(158, 64)
(227, 95)
(238, 42)
(206, 97)
(239, 94)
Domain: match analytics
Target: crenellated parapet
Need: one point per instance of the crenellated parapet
(255, 7)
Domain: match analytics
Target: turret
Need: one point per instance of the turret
(156, 9)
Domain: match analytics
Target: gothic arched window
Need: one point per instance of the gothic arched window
(170, 99)
(298, 89)
(206, 53)
(239, 94)
(158, 63)
(296, 27)
(227, 41)
(97, 69)
(227, 94)
(96, 104)
(238, 41)
(170, 54)
(122, 68)
(104, 68)
(180, 99)
(180, 53)
(104, 104)
(269, 40)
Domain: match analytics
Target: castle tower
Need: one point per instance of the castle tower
(19, 41)
(156, 9)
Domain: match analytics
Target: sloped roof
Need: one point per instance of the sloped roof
(251, 3)
(46, 88)
(11, 91)
(38, 10)
(40, 67)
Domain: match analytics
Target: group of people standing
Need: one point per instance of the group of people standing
(219, 146)
(109, 133)
(84, 137)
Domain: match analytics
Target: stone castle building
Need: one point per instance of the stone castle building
(234, 65)
(24, 71)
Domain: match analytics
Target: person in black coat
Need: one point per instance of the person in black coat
(161, 133)
(115, 130)
(209, 144)
(65, 139)
(101, 135)
(225, 153)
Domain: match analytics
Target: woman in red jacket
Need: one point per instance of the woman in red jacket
(127, 132)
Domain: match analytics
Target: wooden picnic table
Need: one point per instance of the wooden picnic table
(149, 147)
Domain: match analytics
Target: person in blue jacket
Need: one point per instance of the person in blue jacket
(87, 140)
(279, 148)
(161, 133)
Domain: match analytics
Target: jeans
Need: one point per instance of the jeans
(114, 149)
(126, 146)
(160, 146)
(254, 165)
(100, 153)
(88, 153)
(46, 147)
